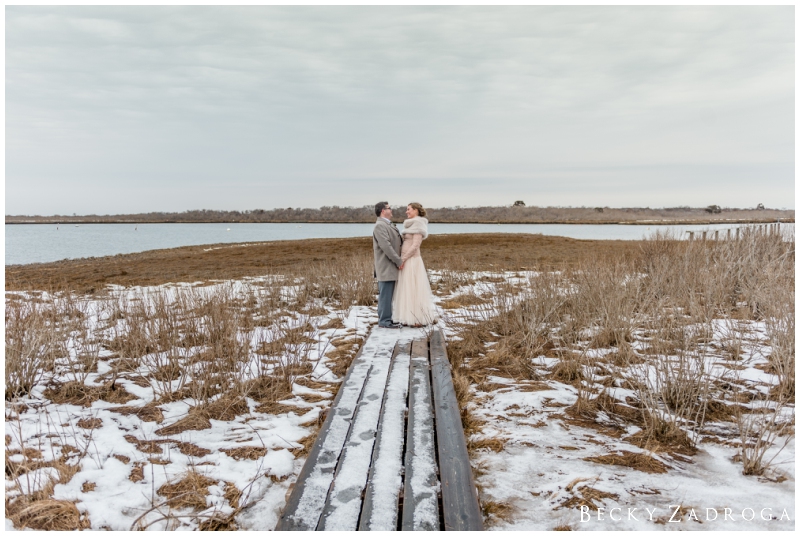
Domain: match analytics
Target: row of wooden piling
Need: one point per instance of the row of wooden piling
(767, 229)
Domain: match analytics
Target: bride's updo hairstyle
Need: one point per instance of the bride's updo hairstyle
(422, 211)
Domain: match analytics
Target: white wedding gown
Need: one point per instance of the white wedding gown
(412, 302)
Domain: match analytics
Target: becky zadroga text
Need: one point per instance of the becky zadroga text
(677, 512)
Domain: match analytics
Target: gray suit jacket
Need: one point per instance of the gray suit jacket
(386, 243)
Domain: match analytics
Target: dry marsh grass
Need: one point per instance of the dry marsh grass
(46, 514)
(188, 491)
(655, 317)
(31, 479)
(639, 461)
(457, 254)
(198, 344)
(674, 320)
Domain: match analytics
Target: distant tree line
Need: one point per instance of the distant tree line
(519, 213)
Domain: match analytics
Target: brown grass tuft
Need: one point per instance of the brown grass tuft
(225, 408)
(568, 370)
(612, 337)
(461, 386)
(218, 523)
(137, 473)
(46, 514)
(232, 494)
(606, 403)
(245, 453)
(291, 336)
(188, 492)
(666, 438)
(494, 511)
(592, 494)
(276, 408)
(624, 356)
(333, 323)
(590, 497)
(342, 355)
(307, 444)
(495, 444)
(79, 394)
(148, 447)
(463, 300)
(193, 421)
(720, 411)
(269, 389)
(639, 461)
(148, 413)
(190, 449)
(90, 423)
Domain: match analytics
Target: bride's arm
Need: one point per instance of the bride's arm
(411, 246)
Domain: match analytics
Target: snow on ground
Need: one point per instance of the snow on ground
(543, 466)
(122, 462)
(539, 474)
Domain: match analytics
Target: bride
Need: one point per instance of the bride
(412, 303)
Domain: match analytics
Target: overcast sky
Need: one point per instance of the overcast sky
(138, 109)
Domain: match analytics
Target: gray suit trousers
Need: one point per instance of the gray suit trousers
(385, 293)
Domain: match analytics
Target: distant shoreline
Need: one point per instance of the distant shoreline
(747, 221)
(509, 215)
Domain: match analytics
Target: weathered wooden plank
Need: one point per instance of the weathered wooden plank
(381, 501)
(420, 501)
(460, 506)
(360, 445)
(343, 506)
(307, 500)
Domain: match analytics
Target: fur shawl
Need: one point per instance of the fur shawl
(418, 225)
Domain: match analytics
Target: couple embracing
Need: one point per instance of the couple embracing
(404, 293)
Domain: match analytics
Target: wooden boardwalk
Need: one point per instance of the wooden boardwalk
(391, 453)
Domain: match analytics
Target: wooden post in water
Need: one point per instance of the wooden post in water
(729, 235)
(691, 235)
(704, 235)
(716, 235)
(737, 233)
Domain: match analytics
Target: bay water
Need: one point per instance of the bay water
(31, 243)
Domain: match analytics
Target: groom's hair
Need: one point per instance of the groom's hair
(380, 206)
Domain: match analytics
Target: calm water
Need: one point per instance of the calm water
(45, 243)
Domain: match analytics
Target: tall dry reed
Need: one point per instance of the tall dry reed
(661, 314)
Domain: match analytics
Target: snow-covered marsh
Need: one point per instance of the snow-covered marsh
(625, 394)
(649, 393)
(165, 407)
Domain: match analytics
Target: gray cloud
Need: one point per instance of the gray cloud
(117, 109)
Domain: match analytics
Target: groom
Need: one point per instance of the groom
(386, 242)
